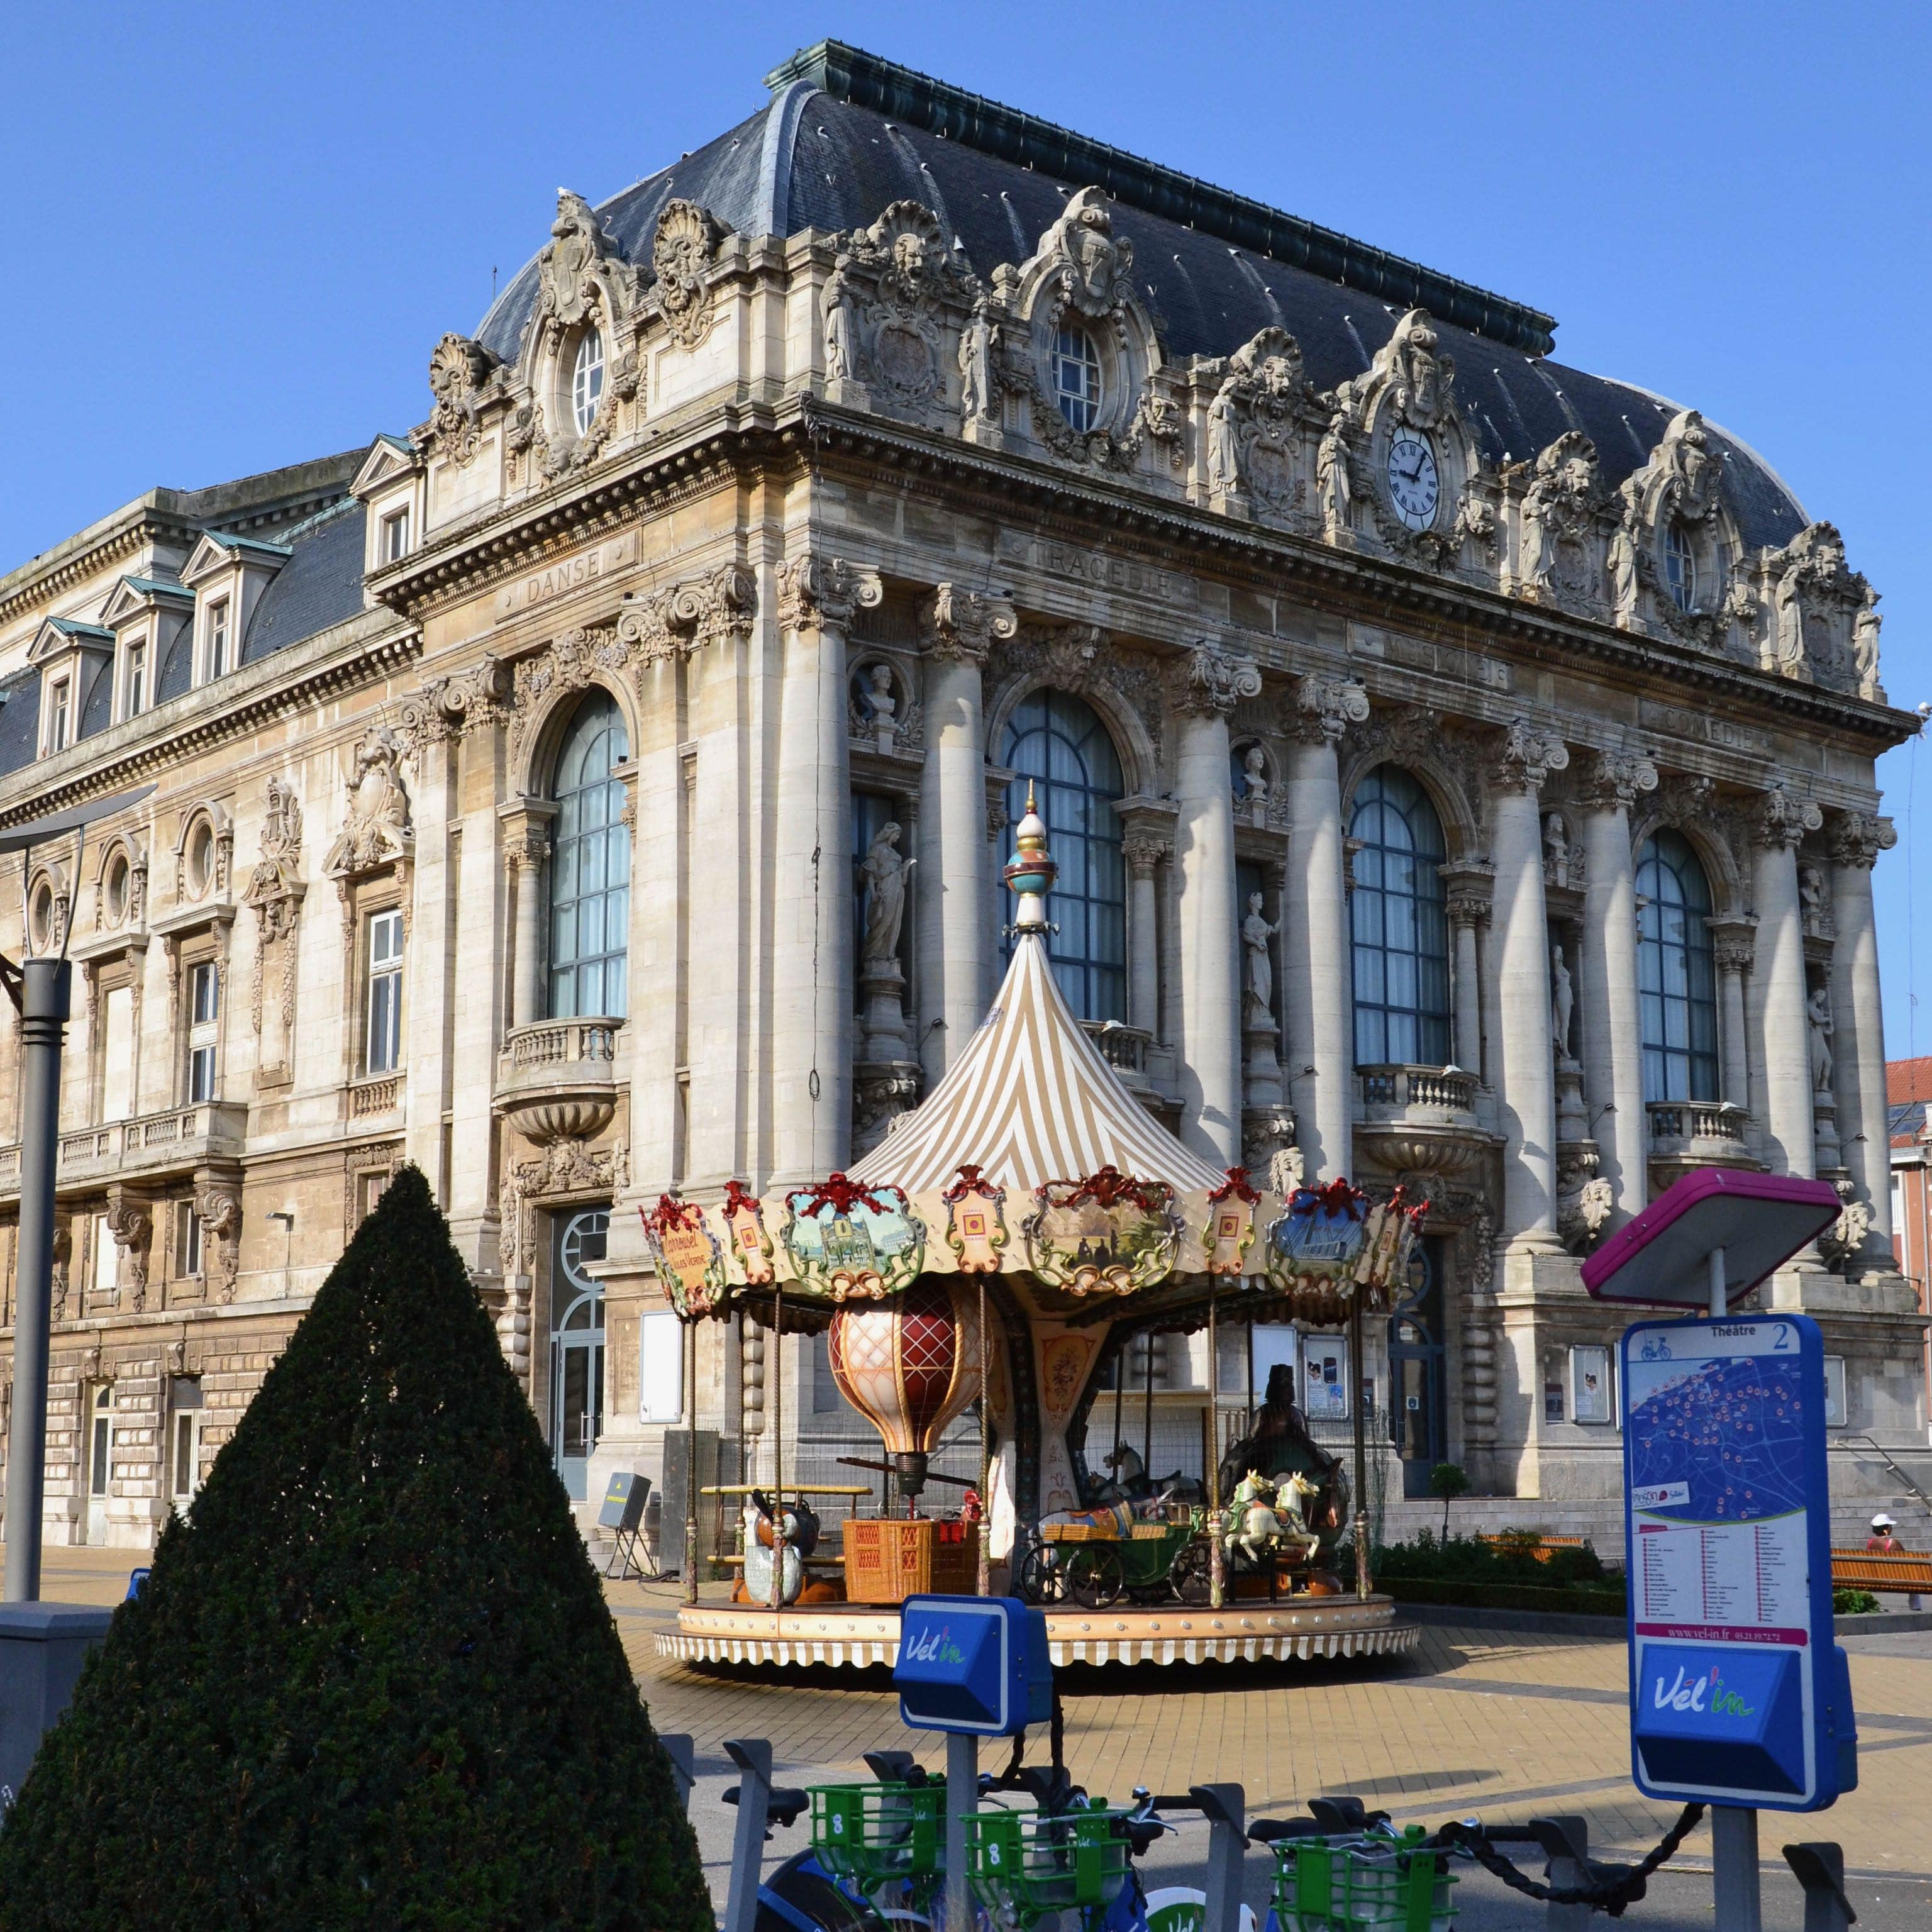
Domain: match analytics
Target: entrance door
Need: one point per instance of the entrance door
(1416, 1419)
(100, 1459)
(577, 1348)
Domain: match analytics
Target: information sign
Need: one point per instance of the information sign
(1737, 1694)
(975, 1665)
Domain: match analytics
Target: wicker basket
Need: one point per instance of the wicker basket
(889, 1559)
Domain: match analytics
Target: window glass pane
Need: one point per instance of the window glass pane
(590, 866)
(1054, 736)
(1400, 953)
(1679, 1008)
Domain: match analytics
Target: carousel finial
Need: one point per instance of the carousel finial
(1032, 871)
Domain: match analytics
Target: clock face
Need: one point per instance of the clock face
(1414, 486)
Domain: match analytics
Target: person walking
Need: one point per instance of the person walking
(1883, 1541)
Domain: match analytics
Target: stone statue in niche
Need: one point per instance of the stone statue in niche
(882, 872)
(1626, 570)
(1258, 973)
(977, 389)
(1556, 849)
(1818, 1018)
(840, 359)
(1224, 454)
(1332, 484)
(1817, 917)
(1562, 1002)
(1254, 776)
(1865, 646)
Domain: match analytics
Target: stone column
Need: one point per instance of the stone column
(1606, 972)
(476, 1030)
(526, 851)
(955, 943)
(1472, 885)
(1314, 949)
(812, 883)
(658, 984)
(1779, 1034)
(1525, 1081)
(1733, 948)
(1144, 851)
(1858, 1067)
(1206, 686)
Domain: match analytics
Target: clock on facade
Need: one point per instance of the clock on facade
(1413, 486)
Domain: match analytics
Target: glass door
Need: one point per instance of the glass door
(1416, 1418)
(577, 1348)
(100, 1459)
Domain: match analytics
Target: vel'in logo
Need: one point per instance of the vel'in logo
(935, 1647)
(1704, 1695)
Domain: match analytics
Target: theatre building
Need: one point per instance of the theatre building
(1460, 768)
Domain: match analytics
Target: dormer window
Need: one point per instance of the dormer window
(586, 380)
(395, 535)
(1076, 378)
(60, 715)
(217, 638)
(1680, 567)
(134, 681)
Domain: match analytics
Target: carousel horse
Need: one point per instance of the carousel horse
(1296, 1494)
(1253, 1528)
(759, 1541)
(1280, 1446)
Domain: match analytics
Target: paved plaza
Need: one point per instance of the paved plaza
(1473, 1723)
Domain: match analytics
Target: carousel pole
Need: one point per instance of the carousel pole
(1147, 1414)
(1120, 1399)
(984, 1582)
(1362, 1584)
(775, 1383)
(1217, 1580)
(691, 1460)
(1248, 1418)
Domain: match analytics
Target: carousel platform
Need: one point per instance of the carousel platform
(858, 1636)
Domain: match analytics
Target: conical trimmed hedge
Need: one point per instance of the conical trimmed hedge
(374, 1683)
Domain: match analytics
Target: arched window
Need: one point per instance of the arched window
(1061, 744)
(1076, 378)
(590, 866)
(1680, 567)
(1677, 981)
(1401, 931)
(587, 381)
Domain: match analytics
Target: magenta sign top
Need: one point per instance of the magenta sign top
(1664, 1254)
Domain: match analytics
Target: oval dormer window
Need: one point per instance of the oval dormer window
(42, 919)
(586, 380)
(201, 858)
(1076, 378)
(1680, 567)
(117, 889)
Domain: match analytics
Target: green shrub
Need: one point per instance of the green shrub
(374, 1683)
(1853, 1603)
(1467, 1559)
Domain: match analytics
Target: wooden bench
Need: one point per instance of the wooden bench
(1909, 1572)
(1543, 1548)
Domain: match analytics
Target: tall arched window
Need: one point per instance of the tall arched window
(1677, 981)
(590, 866)
(1060, 745)
(1401, 931)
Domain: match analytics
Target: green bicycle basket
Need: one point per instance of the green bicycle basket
(872, 1834)
(1349, 1884)
(1033, 1863)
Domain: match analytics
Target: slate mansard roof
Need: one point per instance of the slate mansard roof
(845, 134)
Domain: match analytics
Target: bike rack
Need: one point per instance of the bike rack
(683, 1763)
(1224, 1806)
(1820, 1866)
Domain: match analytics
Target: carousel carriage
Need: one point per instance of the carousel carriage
(999, 1247)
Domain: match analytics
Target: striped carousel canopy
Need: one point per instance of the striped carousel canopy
(1030, 1100)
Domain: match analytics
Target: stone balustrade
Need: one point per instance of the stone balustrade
(558, 1078)
(153, 1146)
(1123, 1047)
(1393, 1087)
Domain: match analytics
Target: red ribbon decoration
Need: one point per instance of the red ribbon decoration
(1340, 1196)
(1109, 1187)
(672, 1213)
(972, 1180)
(1236, 1184)
(840, 1193)
(736, 1198)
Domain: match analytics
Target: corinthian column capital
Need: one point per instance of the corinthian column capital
(1857, 837)
(1526, 757)
(1784, 818)
(1208, 683)
(1325, 706)
(960, 625)
(1614, 779)
(822, 592)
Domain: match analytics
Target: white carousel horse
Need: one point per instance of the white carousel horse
(759, 1540)
(1295, 1494)
(1253, 1528)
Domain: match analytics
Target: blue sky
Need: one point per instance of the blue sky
(235, 232)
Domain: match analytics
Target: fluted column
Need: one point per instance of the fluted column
(811, 925)
(1207, 685)
(1144, 852)
(1525, 1062)
(956, 943)
(1471, 886)
(1733, 950)
(1857, 1067)
(1780, 1033)
(526, 851)
(1606, 972)
(1315, 929)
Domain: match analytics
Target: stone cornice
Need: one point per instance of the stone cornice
(368, 647)
(730, 440)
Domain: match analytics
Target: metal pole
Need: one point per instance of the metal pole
(1146, 1418)
(983, 1581)
(1248, 1422)
(962, 1800)
(46, 996)
(775, 1403)
(1720, 1305)
(1362, 1581)
(1215, 1578)
(1734, 1868)
(1119, 1398)
(691, 1461)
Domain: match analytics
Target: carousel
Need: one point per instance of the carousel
(999, 1252)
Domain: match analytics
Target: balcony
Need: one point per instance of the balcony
(151, 1146)
(556, 1079)
(1688, 1134)
(371, 1099)
(1124, 1048)
(1420, 1119)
